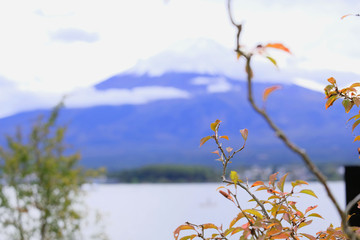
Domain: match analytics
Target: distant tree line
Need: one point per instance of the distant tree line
(165, 174)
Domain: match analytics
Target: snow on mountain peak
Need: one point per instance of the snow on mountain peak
(202, 56)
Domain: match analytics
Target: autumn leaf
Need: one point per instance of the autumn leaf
(272, 178)
(355, 85)
(204, 140)
(330, 101)
(257, 183)
(346, 16)
(269, 90)
(355, 124)
(215, 125)
(315, 215)
(310, 208)
(209, 225)
(279, 46)
(348, 104)
(281, 183)
(216, 152)
(229, 149)
(180, 228)
(309, 192)
(244, 133)
(332, 80)
(254, 212)
(224, 137)
(226, 195)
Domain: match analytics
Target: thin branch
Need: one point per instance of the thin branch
(301, 152)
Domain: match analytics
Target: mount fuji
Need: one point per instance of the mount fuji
(157, 112)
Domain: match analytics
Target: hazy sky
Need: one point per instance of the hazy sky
(49, 48)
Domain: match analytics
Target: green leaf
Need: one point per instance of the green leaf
(254, 212)
(281, 182)
(272, 60)
(204, 140)
(348, 104)
(309, 192)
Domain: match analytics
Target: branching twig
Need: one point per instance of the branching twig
(301, 152)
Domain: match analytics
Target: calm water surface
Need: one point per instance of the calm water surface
(153, 211)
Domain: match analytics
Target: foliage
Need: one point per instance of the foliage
(40, 184)
(166, 173)
(275, 217)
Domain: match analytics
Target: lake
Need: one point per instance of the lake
(154, 211)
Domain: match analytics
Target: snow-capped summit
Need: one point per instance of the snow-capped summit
(203, 56)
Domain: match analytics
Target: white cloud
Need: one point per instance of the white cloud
(88, 97)
(310, 84)
(69, 35)
(213, 84)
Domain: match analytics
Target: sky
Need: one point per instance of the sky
(53, 48)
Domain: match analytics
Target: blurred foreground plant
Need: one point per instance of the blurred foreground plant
(40, 184)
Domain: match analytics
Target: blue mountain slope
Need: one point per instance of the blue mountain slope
(168, 131)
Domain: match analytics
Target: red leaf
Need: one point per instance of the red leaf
(279, 46)
(269, 90)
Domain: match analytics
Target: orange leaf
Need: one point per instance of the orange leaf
(332, 80)
(355, 124)
(308, 236)
(279, 46)
(180, 228)
(226, 195)
(272, 178)
(310, 208)
(215, 125)
(357, 138)
(204, 140)
(269, 90)
(225, 137)
(257, 183)
(355, 85)
(330, 101)
(346, 16)
(209, 225)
